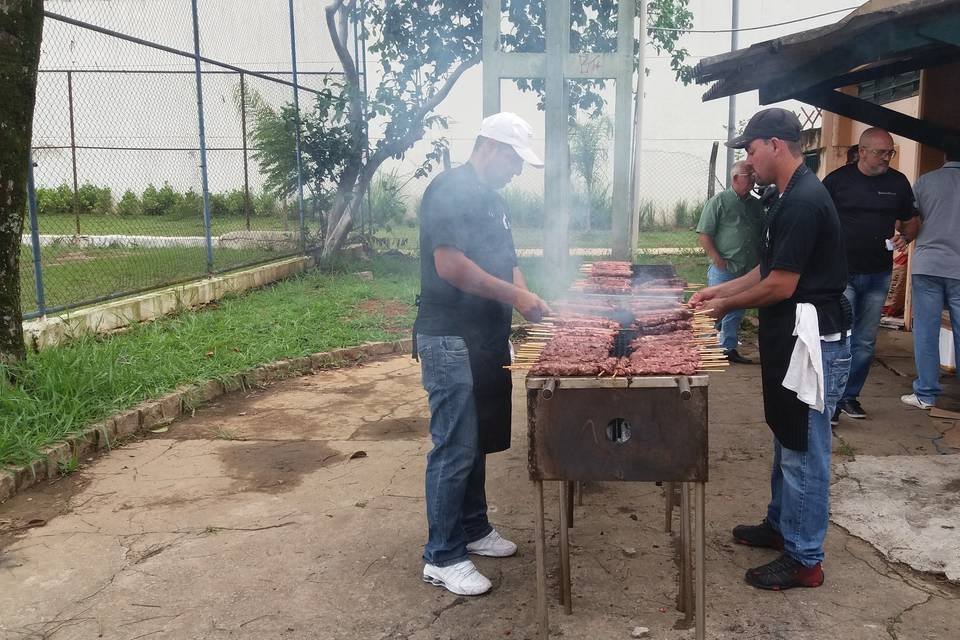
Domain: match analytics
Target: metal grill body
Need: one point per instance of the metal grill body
(636, 429)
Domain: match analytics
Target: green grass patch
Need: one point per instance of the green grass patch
(64, 389)
(74, 274)
(96, 224)
(407, 238)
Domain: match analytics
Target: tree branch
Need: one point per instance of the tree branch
(343, 54)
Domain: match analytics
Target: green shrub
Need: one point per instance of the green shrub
(189, 206)
(388, 203)
(54, 201)
(129, 204)
(94, 199)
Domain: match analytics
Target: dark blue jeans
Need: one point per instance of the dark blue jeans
(931, 295)
(800, 482)
(730, 323)
(866, 293)
(456, 466)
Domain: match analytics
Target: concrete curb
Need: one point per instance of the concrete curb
(103, 436)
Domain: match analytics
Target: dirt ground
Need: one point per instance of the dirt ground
(296, 511)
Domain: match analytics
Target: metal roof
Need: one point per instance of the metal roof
(881, 37)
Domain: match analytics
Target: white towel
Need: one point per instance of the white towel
(805, 374)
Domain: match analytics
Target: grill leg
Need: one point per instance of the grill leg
(578, 490)
(565, 599)
(701, 610)
(686, 577)
(571, 490)
(542, 621)
(668, 488)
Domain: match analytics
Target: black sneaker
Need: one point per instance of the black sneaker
(852, 408)
(761, 535)
(733, 356)
(835, 418)
(784, 573)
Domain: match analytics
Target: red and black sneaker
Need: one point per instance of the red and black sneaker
(761, 535)
(785, 573)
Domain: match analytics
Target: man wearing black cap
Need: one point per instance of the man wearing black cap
(798, 287)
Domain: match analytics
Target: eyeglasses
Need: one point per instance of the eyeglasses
(883, 153)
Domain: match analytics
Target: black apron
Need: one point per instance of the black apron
(785, 414)
(485, 327)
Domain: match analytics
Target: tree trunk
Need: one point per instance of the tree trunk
(21, 27)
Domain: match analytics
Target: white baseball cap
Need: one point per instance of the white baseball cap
(511, 129)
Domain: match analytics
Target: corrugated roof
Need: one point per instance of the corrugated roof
(749, 69)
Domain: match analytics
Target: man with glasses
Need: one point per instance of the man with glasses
(729, 232)
(876, 210)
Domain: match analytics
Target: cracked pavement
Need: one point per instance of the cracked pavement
(296, 511)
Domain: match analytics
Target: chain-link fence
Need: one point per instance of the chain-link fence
(128, 194)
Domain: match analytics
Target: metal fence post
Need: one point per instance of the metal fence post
(246, 169)
(35, 239)
(73, 153)
(296, 109)
(203, 136)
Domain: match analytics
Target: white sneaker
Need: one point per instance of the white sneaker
(462, 578)
(912, 400)
(493, 545)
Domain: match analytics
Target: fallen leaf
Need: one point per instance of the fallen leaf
(209, 354)
(160, 430)
(358, 454)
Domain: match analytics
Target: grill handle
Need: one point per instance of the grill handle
(683, 383)
(546, 391)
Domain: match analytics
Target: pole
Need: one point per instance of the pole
(35, 239)
(296, 110)
(637, 135)
(246, 168)
(732, 106)
(73, 153)
(203, 137)
(712, 173)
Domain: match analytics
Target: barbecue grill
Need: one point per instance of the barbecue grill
(643, 429)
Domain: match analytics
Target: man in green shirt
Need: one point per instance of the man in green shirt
(729, 232)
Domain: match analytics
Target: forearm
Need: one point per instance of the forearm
(776, 287)
(464, 274)
(518, 279)
(739, 285)
(910, 228)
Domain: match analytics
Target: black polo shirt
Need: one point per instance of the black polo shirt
(803, 235)
(869, 207)
(459, 211)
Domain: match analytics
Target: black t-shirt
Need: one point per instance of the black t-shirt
(869, 206)
(802, 234)
(459, 211)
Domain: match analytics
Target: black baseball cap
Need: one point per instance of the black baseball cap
(766, 124)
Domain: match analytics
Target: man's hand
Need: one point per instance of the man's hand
(700, 297)
(531, 306)
(716, 308)
(899, 242)
(720, 263)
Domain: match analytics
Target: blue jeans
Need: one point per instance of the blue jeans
(931, 294)
(730, 323)
(866, 293)
(800, 482)
(456, 466)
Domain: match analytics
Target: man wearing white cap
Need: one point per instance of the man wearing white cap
(469, 285)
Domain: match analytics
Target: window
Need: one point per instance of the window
(890, 88)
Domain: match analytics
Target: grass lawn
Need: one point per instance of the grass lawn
(98, 225)
(64, 389)
(407, 239)
(74, 274)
